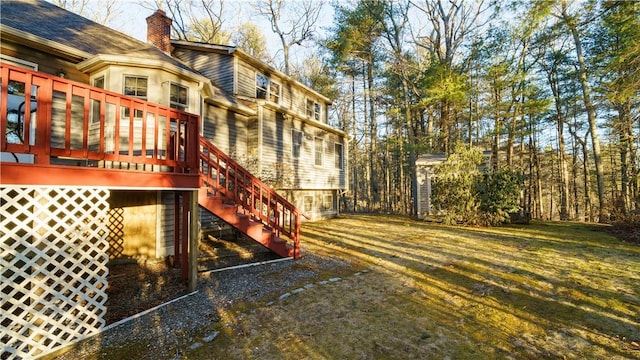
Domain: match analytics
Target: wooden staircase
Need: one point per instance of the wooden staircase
(243, 201)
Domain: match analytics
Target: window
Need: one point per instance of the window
(327, 203)
(338, 155)
(313, 110)
(319, 154)
(135, 86)
(274, 92)
(95, 104)
(296, 143)
(178, 97)
(99, 82)
(262, 84)
(308, 203)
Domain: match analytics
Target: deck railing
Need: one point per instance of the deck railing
(222, 174)
(51, 120)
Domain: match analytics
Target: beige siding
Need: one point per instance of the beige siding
(246, 79)
(227, 130)
(280, 168)
(166, 221)
(46, 62)
(136, 222)
(214, 66)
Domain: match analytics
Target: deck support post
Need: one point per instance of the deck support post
(193, 241)
(184, 229)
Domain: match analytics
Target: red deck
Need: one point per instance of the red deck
(83, 135)
(76, 135)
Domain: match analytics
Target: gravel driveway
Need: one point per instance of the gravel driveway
(165, 333)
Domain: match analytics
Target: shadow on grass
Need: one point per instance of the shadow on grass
(548, 276)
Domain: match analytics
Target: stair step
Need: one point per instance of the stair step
(231, 213)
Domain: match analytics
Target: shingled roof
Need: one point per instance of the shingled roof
(50, 22)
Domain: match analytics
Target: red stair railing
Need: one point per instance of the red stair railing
(220, 173)
(72, 120)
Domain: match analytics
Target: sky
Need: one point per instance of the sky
(131, 21)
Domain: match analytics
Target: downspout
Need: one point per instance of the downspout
(260, 135)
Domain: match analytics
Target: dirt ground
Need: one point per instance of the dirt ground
(135, 286)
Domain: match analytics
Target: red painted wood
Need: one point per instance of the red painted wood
(253, 195)
(35, 174)
(184, 158)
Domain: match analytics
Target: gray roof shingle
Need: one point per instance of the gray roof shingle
(48, 21)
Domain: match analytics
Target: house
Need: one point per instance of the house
(113, 147)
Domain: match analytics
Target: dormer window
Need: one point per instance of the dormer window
(313, 110)
(262, 86)
(178, 99)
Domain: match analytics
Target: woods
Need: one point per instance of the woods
(549, 87)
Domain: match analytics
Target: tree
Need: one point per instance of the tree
(104, 14)
(249, 38)
(293, 22)
(572, 24)
(355, 46)
(452, 22)
(616, 45)
(195, 20)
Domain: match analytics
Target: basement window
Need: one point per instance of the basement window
(327, 203)
(308, 203)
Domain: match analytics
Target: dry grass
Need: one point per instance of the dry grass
(552, 290)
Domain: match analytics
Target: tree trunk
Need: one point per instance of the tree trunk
(591, 112)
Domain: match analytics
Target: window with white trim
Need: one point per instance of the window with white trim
(327, 203)
(262, 86)
(95, 104)
(274, 92)
(308, 203)
(135, 86)
(178, 97)
(313, 110)
(296, 143)
(339, 155)
(318, 151)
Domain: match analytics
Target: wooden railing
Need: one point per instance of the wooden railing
(46, 117)
(220, 173)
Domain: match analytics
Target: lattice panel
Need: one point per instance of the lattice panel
(53, 270)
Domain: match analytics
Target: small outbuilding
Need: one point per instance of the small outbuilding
(425, 165)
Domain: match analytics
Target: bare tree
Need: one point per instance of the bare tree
(194, 20)
(103, 13)
(294, 22)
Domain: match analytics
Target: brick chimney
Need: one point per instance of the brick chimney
(159, 31)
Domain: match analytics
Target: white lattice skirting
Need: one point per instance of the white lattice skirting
(53, 269)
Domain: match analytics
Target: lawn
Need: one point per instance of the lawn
(419, 290)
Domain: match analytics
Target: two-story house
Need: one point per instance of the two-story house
(109, 146)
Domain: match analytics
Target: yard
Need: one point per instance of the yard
(385, 287)
(546, 290)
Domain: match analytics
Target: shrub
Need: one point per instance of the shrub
(471, 197)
